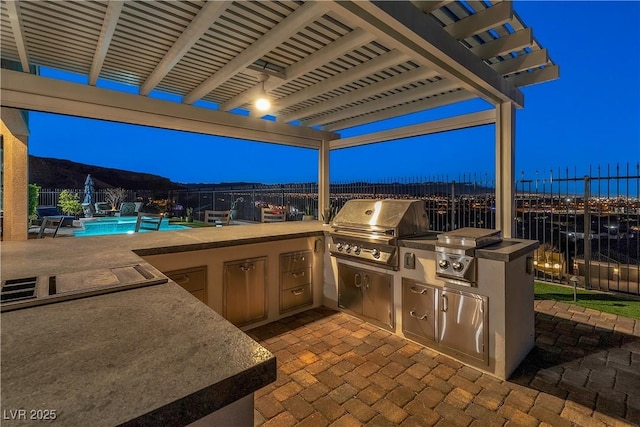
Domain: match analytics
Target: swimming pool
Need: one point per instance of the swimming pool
(119, 225)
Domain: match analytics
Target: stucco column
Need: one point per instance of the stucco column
(15, 175)
(505, 165)
(323, 177)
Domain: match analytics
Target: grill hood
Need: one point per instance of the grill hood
(395, 218)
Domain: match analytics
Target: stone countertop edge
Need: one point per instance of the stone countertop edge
(198, 405)
(505, 251)
(169, 249)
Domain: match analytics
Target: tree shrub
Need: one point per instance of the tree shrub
(69, 203)
(34, 193)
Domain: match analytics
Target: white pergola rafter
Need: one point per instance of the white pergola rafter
(290, 25)
(399, 26)
(536, 76)
(429, 6)
(15, 16)
(401, 110)
(531, 60)
(209, 13)
(436, 126)
(387, 102)
(386, 60)
(106, 34)
(36, 93)
(362, 93)
(482, 21)
(512, 43)
(347, 43)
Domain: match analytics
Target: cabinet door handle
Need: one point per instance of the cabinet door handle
(357, 280)
(298, 292)
(247, 267)
(413, 314)
(184, 279)
(366, 281)
(298, 274)
(417, 291)
(445, 303)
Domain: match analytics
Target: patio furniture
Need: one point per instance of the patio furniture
(102, 208)
(148, 221)
(50, 226)
(52, 211)
(128, 209)
(270, 215)
(89, 211)
(215, 217)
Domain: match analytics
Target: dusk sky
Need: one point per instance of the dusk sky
(589, 117)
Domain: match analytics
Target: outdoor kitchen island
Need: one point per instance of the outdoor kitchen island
(152, 355)
(467, 293)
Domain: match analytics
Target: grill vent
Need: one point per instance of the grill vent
(18, 289)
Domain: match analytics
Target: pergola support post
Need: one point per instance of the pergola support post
(323, 177)
(505, 165)
(15, 136)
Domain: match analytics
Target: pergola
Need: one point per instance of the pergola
(325, 65)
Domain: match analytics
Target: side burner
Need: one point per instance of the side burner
(455, 253)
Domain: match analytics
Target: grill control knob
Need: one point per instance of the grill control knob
(457, 266)
(339, 246)
(443, 263)
(347, 248)
(375, 253)
(356, 250)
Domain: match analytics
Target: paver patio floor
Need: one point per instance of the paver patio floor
(334, 369)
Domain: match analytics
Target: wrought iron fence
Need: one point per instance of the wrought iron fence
(552, 208)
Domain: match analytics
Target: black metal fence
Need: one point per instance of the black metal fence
(588, 226)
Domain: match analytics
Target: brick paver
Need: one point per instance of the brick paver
(334, 369)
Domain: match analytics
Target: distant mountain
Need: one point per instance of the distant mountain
(57, 173)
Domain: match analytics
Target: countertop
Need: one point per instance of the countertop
(147, 356)
(62, 255)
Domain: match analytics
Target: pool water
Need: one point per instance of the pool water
(123, 225)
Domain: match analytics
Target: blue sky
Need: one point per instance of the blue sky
(589, 117)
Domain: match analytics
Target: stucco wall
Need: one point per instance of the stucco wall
(16, 176)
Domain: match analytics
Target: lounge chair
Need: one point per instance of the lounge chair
(52, 211)
(148, 221)
(215, 217)
(50, 226)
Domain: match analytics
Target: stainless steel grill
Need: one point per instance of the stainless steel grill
(368, 230)
(455, 253)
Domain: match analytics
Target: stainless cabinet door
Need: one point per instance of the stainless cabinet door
(462, 319)
(377, 297)
(245, 291)
(350, 288)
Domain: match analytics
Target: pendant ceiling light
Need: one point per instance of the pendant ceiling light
(263, 103)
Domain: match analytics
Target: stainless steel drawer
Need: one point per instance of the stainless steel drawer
(293, 261)
(295, 298)
(418, 311)
(293, 279)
